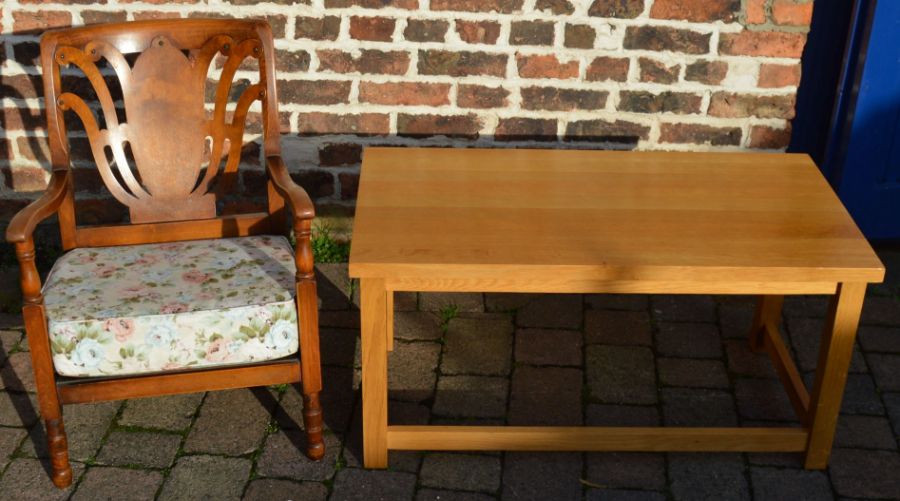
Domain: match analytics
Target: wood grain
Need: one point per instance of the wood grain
(373, 325)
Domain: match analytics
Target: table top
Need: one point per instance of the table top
(603, 215)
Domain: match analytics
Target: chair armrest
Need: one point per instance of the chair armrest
(296, 196)
(23, 223)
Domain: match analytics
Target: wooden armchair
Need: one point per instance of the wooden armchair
(182, 299)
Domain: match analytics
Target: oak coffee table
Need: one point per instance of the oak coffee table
(557, 221)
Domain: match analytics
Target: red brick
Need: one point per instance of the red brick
(700, 134)
(792, 13)
(25, 178)
(465, 126)
(145, 15)
(373, 4)
(657, 71)
(756, 12)
(545, 66)
(708, 72)
(379, 29)
(525, 129)
(72, 2)
(459, 64)
(486, 32)
(779, 75)
(619, 131)
(317, 183)
(363, 124)
(425, 30)
(555, 99)
(87, 180)
(34, 148)
(664, 38)
(349, 185)
(100, 211)
(733, 105)
(579, 36)
(531, 33)
(702, 11)
(27, 53)
(557, 7)
(405, 93)
(291, 60)
(23, 118)
(639, 101)
(368, 61)
(313, 91)
(39, 21)
(765, 137)
(334, 155)
(102, 16)
(480, 96)
(10, 207)
(628, 9)
(160, 2)
(762, 43)
(608, 68)
(503, 6)
(317, 28)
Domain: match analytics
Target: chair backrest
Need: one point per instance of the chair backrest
(168, 130)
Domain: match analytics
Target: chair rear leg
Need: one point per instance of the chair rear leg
(311, 372)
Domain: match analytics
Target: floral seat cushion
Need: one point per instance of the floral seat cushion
(157, 307)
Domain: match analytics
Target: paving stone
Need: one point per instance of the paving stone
(270, 489)
(637, 470)
(11, 321)
(149, 449)
(353, 484)
(736, 316)
(881, 311)
(780, 459)
(548, 347)
(555, 311)
(805, 337)
(744, 362)
(868, 432)
(18, 409)
(231, 422)
(707, 477)
(883, 339)
(398, 413)
(668, 308)
(692, 373)
(799, 485)
(540, 476)
(621, 374)
(338, 346)
(284, 455)
(622, 415)
(336, 399)
(119, 484)
(634, 302)
(442, 495)
(892, 402)
(10, 438)
(9, 341)
(348, 319)
(471, 396)
(503, 302)
(417, 326)
(480, 345)
(886, 369)
(411, 370)
(546, 396)
(860, 395)
(763, 400)
(206, 477)
(333, 286)
(467, 472)
(805, 306)
(469, 302)
(30, 481)
(617, 327)
(690, 340)
(163, 413)
(406, 301)
(16, 374)
(86, 425)
(865, 474)
(698, 407)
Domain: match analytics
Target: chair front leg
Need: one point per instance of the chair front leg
(310, 364)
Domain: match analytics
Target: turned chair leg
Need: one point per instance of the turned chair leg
(311, 372)
(58, 446)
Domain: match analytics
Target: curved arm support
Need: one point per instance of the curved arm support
(301, 205)
(23, 224)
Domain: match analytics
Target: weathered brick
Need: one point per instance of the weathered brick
(405, 93)
(291, 60)
(700, 134)
(317, 28)
(332, 155)
(733, 105)
(149, 15)
(317, 183)
(459, 64)
(25, 178)
(525, 129)
(368, 61)
(658, 71)
(707, 72)
(608, 68)
(779, 75)
(545, 66)
(480, 96)
(372, 4)
(792, 12)
(27, 53)
(557, 7)
(665, 102)
(765, 137)
(762, 43)
(531, 33)
(555, 99)
(38, 21)
(628, 9)
(664, 38)
(100, 16)
(465, 126)
(756, 12)
(349, 185)
(34, 148)
(425, 30)
(579, 36)
(618, 131)
(701, 11)
(313, 92)
(503, 6)
(486, 32)
(364, 124)
(379, 29)
(20, 86)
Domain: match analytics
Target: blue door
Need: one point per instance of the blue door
(862, 159)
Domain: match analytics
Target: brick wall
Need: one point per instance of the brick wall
(645, 74)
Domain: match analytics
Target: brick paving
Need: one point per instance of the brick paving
(489, 359)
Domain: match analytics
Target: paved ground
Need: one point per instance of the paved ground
(472, 358)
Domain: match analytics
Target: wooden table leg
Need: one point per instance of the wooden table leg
(831, 374)
(768, 309)
(373, 320)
